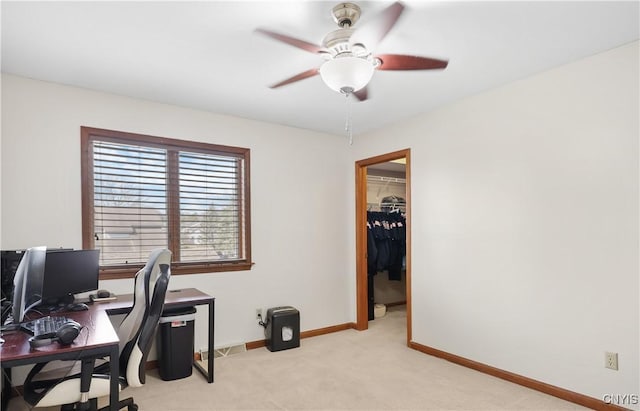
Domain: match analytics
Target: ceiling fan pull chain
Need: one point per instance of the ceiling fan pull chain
(348, 125)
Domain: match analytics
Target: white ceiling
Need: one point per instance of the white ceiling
(205, 55)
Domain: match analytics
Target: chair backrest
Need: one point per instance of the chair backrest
(139, 326)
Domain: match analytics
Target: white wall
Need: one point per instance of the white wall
(525, 224)
(299, 242)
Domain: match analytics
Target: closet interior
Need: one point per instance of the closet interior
(386, 236)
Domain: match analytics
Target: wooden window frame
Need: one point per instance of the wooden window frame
(89, 134)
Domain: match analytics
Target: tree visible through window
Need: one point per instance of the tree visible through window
(142, 192)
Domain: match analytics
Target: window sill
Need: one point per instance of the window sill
(117, 273)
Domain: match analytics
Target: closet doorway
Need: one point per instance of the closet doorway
(382, 168)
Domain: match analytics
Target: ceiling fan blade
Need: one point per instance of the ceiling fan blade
(301, 44)
(403, 62)
(297, 77)
(372, 32)
(361, 94)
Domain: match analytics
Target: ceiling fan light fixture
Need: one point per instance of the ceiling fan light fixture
(346, 74)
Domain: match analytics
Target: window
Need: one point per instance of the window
(142, 192)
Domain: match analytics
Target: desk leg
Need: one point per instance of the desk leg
(114, 380)
(209, 372)
(6, 387)
(211, 348)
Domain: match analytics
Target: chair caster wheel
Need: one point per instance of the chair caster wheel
(132, 407)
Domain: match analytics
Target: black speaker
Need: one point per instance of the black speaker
(10, 261)
(65, 335)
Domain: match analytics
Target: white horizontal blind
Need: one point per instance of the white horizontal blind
(211, 207)
(150, 196)
(130, 201)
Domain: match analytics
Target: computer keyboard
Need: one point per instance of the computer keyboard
(45, 325)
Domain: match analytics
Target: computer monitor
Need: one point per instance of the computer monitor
(28, 282)
(69, 272)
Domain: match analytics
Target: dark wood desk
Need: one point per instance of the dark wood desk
(97, 339)
(186, 297)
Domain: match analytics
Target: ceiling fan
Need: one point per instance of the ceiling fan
(349, 59)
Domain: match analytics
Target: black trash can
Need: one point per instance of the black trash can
(283, 328)
(175, 343)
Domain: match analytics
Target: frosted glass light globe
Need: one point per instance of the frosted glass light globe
(346, 74)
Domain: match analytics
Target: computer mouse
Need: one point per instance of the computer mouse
(79, 307)
(103, 294)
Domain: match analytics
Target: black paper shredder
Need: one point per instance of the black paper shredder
(176, 343)
(283, 328)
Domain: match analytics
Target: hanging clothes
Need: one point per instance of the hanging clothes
(372, 251)
(372, 269)
(386, 232)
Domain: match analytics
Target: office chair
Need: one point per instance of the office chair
(80, 391)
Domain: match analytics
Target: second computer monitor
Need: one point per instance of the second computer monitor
(69, 272)
(28, 282)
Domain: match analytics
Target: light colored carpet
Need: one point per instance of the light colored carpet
(347, 370)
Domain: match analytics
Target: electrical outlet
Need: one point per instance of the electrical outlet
(258, 313)
(611, 360)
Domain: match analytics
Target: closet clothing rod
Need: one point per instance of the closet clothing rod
(387, 179)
